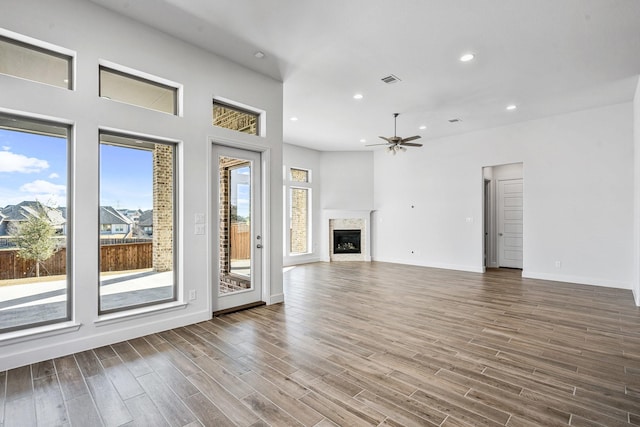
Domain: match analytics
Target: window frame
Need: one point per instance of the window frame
(40, 128)
(231, 106)
(44, 48)
(305, 185)
(145, 143)
(141, 77)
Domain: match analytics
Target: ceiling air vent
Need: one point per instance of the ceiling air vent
(390, 79)
(454, 120)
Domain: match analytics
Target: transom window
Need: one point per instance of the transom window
(134, 90)
(35, 63)
(234, 118)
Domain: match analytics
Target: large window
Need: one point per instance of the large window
(34, 223)
(299, 212)
(234, 118)
(35, 63)
(137, 222)
(134, 90)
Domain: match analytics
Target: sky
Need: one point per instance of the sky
(34, 167)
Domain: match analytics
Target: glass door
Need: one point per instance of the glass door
(238, 231)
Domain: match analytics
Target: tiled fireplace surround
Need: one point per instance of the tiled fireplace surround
(346, 220)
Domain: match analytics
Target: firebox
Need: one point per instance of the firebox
(346, 241)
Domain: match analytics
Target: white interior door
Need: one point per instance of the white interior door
(237, 228)
(510, 210)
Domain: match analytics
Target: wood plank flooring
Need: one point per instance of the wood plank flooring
(362, 344)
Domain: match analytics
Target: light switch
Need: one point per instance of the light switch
(199, 218)
(199, 229)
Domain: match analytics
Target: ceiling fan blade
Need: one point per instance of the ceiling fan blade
(386, 139)
(411, 138)
(410, 144)
(373, 145)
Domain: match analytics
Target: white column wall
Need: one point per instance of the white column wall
(97, 34)
(636, 195)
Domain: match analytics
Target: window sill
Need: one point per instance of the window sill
(122, 316)
(38, 333)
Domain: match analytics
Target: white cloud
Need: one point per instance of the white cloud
(41, 186)
(6, 148)
(44, 191)
(54, 176)
(11, 162)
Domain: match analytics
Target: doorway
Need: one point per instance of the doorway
(237, 228)
(503, 216)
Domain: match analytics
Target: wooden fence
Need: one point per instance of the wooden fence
(119, 257)
(240, 241)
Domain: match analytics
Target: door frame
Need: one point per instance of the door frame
(213, 213)
(495, 173)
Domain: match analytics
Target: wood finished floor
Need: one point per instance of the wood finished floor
(362, 344)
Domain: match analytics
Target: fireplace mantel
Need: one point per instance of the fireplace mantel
(342, 216)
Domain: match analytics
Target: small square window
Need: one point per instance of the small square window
(34, 63)
(234, 118)
(299, 175)
(134, 90)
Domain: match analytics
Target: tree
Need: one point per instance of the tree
(34, 238)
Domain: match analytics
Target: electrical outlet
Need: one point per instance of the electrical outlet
(192, 295)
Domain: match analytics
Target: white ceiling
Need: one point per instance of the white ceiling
(545, 56)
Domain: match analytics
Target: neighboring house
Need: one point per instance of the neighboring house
(132, 214)
(113, 224)
(145, 222)
(15, 214)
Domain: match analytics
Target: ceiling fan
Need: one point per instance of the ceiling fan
(395, 143)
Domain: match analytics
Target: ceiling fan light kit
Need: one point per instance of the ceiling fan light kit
(395, 143)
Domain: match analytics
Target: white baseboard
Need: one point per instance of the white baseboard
(40, 349)
(582, 280)
(444, 266)
(276, 299)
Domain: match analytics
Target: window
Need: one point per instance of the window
(34, 223)
(299, 212)
(299, 220)
(234, 118)
(299, 175)
(34, 63)
(134, 90)
(136, 265)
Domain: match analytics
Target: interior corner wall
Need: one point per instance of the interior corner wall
(636, 195)
(96, 34)
(305, 158)
(578, 197)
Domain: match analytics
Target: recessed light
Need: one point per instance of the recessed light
(423, 127)
(467, 57)
(511, 107)
(294, 119)
(358, 96)
(363, 140)
(259, 54)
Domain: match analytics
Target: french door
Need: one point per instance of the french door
(237, 228)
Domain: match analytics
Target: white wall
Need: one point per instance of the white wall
(636, 195)
(96, 34)
(305, 158)
(578, 197)
(346, 178)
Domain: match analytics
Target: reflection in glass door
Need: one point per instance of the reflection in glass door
(239, 258)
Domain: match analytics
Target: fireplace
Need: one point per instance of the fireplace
(346, 241)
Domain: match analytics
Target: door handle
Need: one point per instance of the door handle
(500, 234)
(259, 246)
